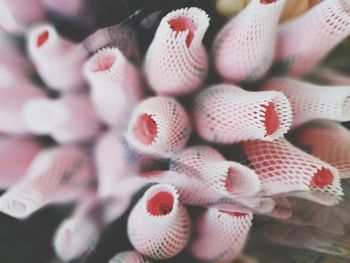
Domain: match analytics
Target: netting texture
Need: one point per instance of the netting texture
(311, 101)
(209, 167)
(285, 169)
(221, 235)
(328, 141)
(55, 175)
(176, 62)
(227, 114)
(129, 257)
(244, 48)
(16, 154)
(303, 42)
(67, 119)
(113, 81)
(159, 126)
(12, 101)
(57, 60)
(159, 225)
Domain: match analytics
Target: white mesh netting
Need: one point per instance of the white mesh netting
(67, 119)
(16, 154)
(16, 15)
(112, 163)
(80, 232)
(57, 60)
(113, 81)
(129, 257)
(328, 141)
(228, 114)
(159, 226)
(12, 101)
(159, 126)
(311, 101)
(209, 167)
(303, 42)
(176, 62)
(221, 235)
(244, 48)
(284, 169)
(55, 175)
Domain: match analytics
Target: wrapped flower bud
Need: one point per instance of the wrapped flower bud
(129, 257)
(228, 114)
(176, 62)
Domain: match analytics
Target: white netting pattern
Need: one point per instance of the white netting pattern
(12, 101)
(55, 175)
(171, 123)
(159, 236)
(328, 141)
(283, 168)
(244, 48)
(303, 42)
(228, 114)
(68, 119)
(113, 81)
(16, 154)
(311, 101)
(129, 257)
(208, 166)
(221, 236)
(57, 60)
(176, 62)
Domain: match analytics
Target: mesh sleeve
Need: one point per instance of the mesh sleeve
(129, 257)
(311, 101)
(159, 226)
(113, 81)
(55, 175)
(12, 101)
(284, 169)
(176, 62)
(227, 114)
(303, 42)
(16, 15)
(112, 163)
(328, 141)
(78, 233)
(207, 165)
(68, 119)
(16, 154)
(221, 235)
(159, 126)
(244, 48)
(57, 60)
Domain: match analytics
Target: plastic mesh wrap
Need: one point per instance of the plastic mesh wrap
(311, 101)
(328, 141)
(208, 166)
(12, 101)
(221, 235)
(303, 42)
(112, 163)
(228, 114)
(113, 81)
(176, 62)
(68, 119)
(159, 226)
(244, 48)
(284, 169)
(129, 257)
(16, 154)
(15, 15)
(159, 126)
(57, 60)
(55, 175)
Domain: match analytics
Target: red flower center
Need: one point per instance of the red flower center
(181, 24)
(160, 204)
